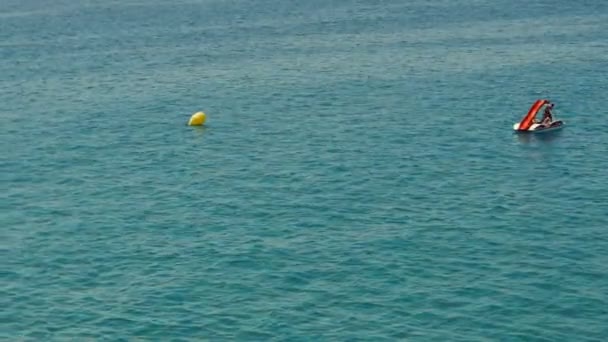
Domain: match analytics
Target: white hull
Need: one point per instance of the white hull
(555, 125)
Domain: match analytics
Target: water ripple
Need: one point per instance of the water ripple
(357, 179)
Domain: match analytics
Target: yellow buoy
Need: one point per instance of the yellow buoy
(197, 119)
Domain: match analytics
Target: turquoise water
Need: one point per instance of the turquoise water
(358, 178)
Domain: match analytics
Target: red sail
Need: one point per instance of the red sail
(528, 120)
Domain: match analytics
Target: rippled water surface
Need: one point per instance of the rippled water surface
(357, 179)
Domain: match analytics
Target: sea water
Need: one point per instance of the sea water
(358, 177)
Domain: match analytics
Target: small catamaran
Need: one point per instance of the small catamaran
(530, 124)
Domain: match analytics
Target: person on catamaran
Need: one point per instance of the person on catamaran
(547, 116)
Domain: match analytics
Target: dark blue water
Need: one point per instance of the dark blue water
(358, 177)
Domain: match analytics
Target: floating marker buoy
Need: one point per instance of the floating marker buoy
(197, 119)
